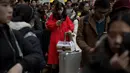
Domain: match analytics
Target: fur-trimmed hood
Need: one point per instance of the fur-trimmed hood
(18, 25)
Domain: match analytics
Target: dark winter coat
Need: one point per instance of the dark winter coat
(26, 30)
(15, 49)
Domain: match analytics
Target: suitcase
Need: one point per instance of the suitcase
(69, 62)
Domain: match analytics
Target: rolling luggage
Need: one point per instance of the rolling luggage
(69, 62)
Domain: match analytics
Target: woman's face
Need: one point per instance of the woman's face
(60, 11)
(116, 33)
(5, 13)
(86, 7)
(34, 3)
(69, 3)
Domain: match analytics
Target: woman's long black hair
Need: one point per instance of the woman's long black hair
(123, 16)
(58, 6)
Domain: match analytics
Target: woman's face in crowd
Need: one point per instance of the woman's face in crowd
(60, 11)
(45, 8)
(116, 33)
(69, 3)
(34, 3)
(5, 12)
(86, 7)
(53, 7)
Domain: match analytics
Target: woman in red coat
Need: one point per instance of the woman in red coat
(58, 24)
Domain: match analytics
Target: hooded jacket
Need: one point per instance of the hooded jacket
(26, 31)
(28, 34)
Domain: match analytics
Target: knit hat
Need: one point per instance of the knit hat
(23, 12)
(121, 4)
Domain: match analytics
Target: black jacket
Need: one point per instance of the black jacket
(26, 30)
(15, 49)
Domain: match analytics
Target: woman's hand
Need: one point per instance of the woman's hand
(58, 23)
(120, 62)
(69, 32)
(16, 69)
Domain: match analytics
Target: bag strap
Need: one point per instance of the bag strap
(17, 44)
(12, 48)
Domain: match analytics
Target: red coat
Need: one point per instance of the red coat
(57, 34)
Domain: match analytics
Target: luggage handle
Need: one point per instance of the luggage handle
(70, 36)
(71, 39)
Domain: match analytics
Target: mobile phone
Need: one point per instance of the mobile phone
(126, 42)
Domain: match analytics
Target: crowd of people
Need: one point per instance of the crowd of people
(30, 31)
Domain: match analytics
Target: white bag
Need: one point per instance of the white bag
(66, 45)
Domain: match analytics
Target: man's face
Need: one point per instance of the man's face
(116, 33)
(5, 12)
(100, 13)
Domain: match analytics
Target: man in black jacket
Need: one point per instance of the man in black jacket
(16, 54)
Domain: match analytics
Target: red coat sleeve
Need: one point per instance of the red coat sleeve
(51, 23)
(70, 23)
